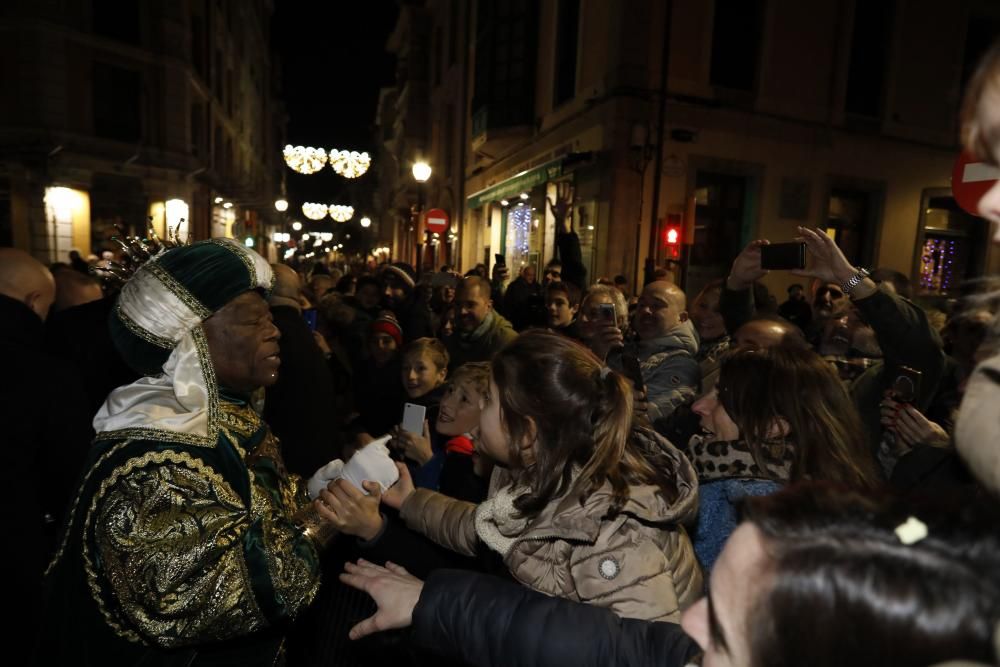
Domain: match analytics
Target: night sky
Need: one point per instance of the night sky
(333, 62)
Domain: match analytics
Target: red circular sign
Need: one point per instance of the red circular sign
(437, 220)
(970, 180)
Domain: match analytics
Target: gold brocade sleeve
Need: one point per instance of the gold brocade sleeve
(183, 560)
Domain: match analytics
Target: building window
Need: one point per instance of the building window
(736, 30)
(217, 78)
(437, 65)
(116, 20)
(852, 221)
(453, 32)
(866, 73)
(198, 130)
(506, 32)
(198, 47)
(117, 102)
(721, 209)
(567, 48)
(950, 246)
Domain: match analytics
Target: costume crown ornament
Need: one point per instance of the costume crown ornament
(135, 251)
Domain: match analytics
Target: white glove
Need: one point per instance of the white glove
(324, 476)
(371, 462)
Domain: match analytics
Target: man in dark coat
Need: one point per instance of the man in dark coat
(47, 431)
(300, 406)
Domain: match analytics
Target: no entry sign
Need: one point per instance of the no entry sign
(970, 180)
(437, 220)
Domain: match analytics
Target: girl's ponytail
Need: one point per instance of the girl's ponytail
(579, 413)
(611, 418)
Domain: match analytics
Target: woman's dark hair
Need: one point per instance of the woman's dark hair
(582, 413)
(758, 388)
(844, 589)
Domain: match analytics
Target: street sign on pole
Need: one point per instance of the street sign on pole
(437, 220)
(970, 180)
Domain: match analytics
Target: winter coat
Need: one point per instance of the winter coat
(300, 406)
(493, 333)
(728, 474)
(486, 621)
(978, 422)
(669, 368)
(639, 563)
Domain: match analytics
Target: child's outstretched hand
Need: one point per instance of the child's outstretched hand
(395, 591)
(397, 494)
(350, 510)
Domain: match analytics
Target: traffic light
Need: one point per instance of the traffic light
(673, 237)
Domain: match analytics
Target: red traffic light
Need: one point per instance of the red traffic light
(673, 236)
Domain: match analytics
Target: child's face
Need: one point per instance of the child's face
(383, 348)
(421, 375)
(492, 440)
(459, 411)
(560, 312)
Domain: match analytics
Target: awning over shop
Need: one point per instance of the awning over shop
(515, 185)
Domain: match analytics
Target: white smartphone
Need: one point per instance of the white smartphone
(413, 418)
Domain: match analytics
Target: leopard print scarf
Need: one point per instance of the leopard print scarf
(734, 459)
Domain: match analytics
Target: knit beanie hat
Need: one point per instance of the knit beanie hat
(401, 271)
(387, 323)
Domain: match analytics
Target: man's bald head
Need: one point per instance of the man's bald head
(287, 283)
(767, 332)
(25, 279)
(662, 306)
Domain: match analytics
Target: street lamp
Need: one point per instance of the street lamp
(297, 226)
(421, 172)
(281, 205)
(366, 222)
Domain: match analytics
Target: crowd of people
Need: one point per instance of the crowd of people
(217, 461)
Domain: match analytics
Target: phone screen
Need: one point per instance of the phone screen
(607, 311)
(413, 418)
(783, 256)
(309, 315)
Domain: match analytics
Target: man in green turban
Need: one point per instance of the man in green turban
(187, 542)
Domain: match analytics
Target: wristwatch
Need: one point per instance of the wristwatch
(851, 283)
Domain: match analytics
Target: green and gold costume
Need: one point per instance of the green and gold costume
(188, 543)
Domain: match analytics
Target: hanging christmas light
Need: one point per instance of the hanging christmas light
(341, 213)
(349, 164)
(314, 211)
(304, 159)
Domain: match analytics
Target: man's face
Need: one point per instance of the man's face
(243, 343)
(529, 274)
(552, 272)
(367, 296)
(560, 313)
(658, 310)
(706, 316)
(394, 292)
(472, 307)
